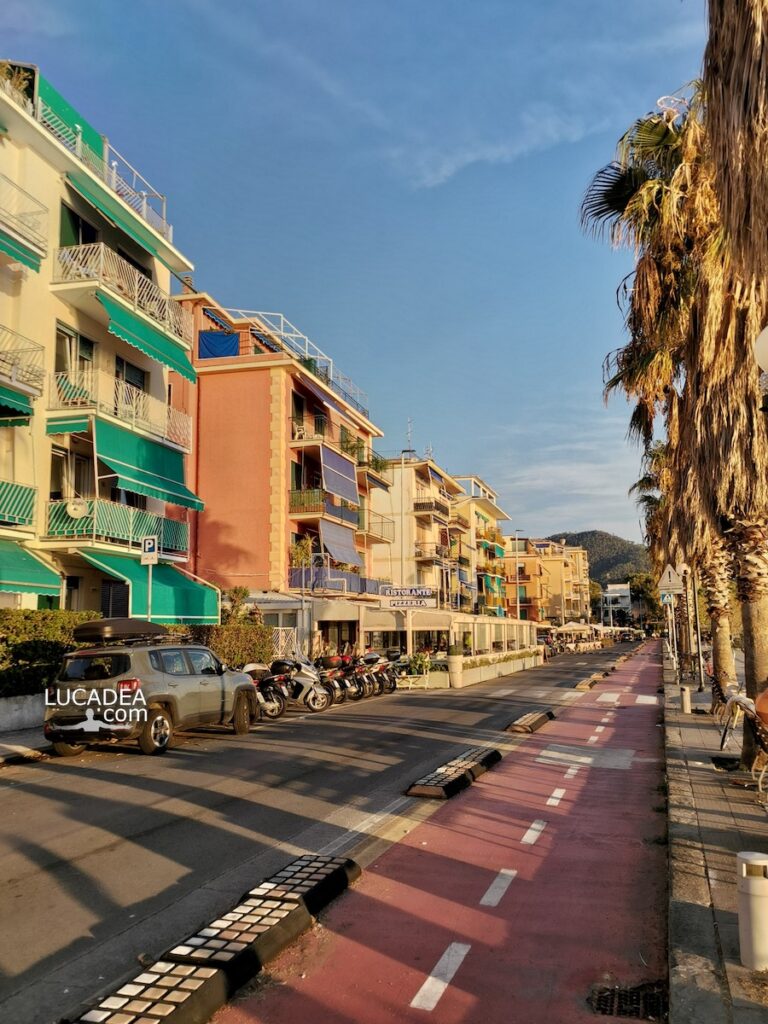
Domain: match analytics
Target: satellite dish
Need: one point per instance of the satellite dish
(761, 349)
(77, 508)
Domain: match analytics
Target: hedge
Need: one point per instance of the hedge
(32, 644)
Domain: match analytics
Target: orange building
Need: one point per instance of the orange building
(284, 456)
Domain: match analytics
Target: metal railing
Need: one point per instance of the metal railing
(431, 552)
(313, 428)
(101, 265)
(376, 525)
(458, 520)
(280, 330)
(21, 360)
(113, 523)
(338, 580)
(84, 389)
(431, 506)
(317, 502)
(23, 213)
(17, 503)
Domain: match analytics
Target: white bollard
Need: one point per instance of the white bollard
(685, 700)
(752, 885)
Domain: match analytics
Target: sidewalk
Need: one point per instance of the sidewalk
(712, 817)
(24, 745)
(514, 900)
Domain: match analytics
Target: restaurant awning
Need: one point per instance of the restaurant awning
(18, 251)
(130, 327)
(339, 542)
(22, 572)
(143, 466)
(175, 597)
(339, 475)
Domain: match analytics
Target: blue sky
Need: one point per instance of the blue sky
(402, 179)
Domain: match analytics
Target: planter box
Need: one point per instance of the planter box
(21, 712)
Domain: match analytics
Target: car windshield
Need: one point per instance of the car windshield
(92, 667)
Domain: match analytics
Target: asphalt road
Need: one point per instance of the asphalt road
(112, 855)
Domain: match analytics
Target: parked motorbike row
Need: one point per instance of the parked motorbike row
(317, 686)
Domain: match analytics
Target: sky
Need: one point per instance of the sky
(402, 179)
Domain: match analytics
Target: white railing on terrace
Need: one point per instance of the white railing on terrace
(84, 389)
(113, 169)
(281, 330)
(21, 360)
(23, 213)
(102, 265)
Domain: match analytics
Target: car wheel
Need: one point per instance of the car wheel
(68, 749)
(156, 734)
(318, 700)
(241, 715)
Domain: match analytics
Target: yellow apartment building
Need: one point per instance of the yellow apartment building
(479, 505)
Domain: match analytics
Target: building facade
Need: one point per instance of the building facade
(92, 447)
(479, 505)
(616, 604)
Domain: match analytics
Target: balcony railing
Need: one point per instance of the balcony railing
(429, 551)
(431, 506)
(96, 519)
(21, 360)
(376, 525)
(113, 169)
(17, 503)
(99, 264)
(333, 579)
(460, 521)
(23, 213)
(317, 502)
(313, 428)
(100, 391)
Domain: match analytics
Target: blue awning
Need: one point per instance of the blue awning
(339, 475)
(321, 395)
(339, 542)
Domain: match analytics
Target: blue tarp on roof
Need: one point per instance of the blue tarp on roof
(215, 344)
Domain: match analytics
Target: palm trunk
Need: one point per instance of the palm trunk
(715, 576)
(750, 547)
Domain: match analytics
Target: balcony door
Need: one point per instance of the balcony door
(74, 230)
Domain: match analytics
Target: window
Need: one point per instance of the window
(131, 374)
(74, 230)
(83, 477)
(203, 663)
(298, 406)
(114, 599)
(59, 474)
(295, 476)
(174, 663)
(94, 666)
(73, 351)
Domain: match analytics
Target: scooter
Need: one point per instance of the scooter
(273, 688)
(305, 687)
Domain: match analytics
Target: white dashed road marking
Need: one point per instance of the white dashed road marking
(593, 739)
(557, 796)
(608, 698)
(498, 887)
(643, 698)
(533, 832)
(571, 773)
(431, 991)
(599, 728)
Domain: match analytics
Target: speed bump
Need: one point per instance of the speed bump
(531, 722)
(455, 775)
(314, 879)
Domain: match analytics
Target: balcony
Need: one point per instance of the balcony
(17, 504)
(108, 165)
(333, 579)
(459, 522)
(100, 392)
(21, 360)
(99, 521)
(429, 552)
(23, 214)
(427, 506)
(98, 265)
(316, 429)
(375, 526)
(316, 503)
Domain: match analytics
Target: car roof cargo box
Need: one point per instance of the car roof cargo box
(99, 630)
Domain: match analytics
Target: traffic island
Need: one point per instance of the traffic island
(454, 776)
(531, 722)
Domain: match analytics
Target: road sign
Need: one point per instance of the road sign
(149, 550)
(666, 598)
(671, 581)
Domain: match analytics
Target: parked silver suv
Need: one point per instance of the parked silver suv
(140, 683)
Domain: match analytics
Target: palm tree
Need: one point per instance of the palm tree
(736, 88)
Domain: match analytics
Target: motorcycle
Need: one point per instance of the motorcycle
(274, 688)
(305, 687)
(330, 670)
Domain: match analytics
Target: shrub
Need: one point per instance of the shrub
(32, 644)
(236, 643)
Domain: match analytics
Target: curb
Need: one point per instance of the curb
(454, 776)
(531, 722)
(194, 979)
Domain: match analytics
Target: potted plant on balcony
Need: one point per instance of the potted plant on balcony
(455, 666)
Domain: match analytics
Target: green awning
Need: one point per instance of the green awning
(499, 548)
(143, 466)
(108, 204)
(175, 597)
(19, 252)
(126, 324)
(14, 403)
(67, 425)
(21, 572)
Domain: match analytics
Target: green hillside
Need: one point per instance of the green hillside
(611, 559)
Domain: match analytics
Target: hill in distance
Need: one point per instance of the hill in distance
(611, 559)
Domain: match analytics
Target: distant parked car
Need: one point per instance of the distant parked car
(139, 682)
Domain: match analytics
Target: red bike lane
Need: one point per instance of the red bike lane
(544, 878)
